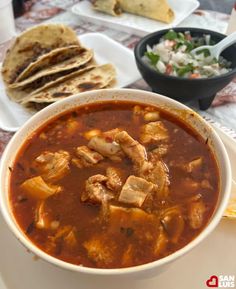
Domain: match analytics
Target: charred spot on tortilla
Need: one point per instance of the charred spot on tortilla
(96, 77)
(88, 86)
(58, 94)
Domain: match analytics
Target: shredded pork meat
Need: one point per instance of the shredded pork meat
(53, 166)
(106, 145)
(153, 132)
(114, 181)
(96, 191)
(132, 148)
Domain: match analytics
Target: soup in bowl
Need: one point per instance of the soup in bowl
(114, 182)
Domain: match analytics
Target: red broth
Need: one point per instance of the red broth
(113, 220)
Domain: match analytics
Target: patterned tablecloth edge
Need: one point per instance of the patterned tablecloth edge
(229, 131)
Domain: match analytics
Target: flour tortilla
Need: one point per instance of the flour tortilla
(33, 43)
(96, 78)
(83, 56)
(19, 94)
(111, 7)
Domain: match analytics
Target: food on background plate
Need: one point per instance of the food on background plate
(172, 56)
(33, 44)
(46, 55)
(113, 184)
(111, 7)
(57, 60)
(21, 93)
(154, 9)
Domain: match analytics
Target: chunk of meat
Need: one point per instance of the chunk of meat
(153, 132)
(125, 224)
(196, 214)
(157, 172)
(132, 148)
(161, 150)
(37, 188)
(131, 222)
(106, 145)
(194, 165)
(114, 181)
(64, 236)
(96, 191)
(128, 214)
(173, 222)
(97, 179)
(190, 167)
(86, 157)
(53, 166)
(42, 218)
(135, 191)
(161, 242)
(101, 250)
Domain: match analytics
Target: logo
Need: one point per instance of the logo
(221, 281)
(213, 281)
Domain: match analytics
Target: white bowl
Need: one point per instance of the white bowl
(194, 120)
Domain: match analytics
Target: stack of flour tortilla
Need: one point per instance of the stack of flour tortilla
(48, 63)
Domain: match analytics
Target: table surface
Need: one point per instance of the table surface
(223, 110)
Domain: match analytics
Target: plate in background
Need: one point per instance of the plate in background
(106, 50)
(132, 23)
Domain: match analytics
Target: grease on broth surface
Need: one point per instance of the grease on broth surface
(113, 184)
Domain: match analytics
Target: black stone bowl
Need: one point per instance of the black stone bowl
(183, 89)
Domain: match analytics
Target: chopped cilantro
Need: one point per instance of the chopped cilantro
(181, 36)
(205, 52)
(185, 69)
(189, 45)
(154, 58)
(170, 35)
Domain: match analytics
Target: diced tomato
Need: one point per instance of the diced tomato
(170, 43)
(169, 69)
(194, 75)
(188, 37)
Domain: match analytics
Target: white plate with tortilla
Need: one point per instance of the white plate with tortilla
(106, 50)
(132, 23)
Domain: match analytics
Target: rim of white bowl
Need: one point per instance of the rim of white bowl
(120, 271)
